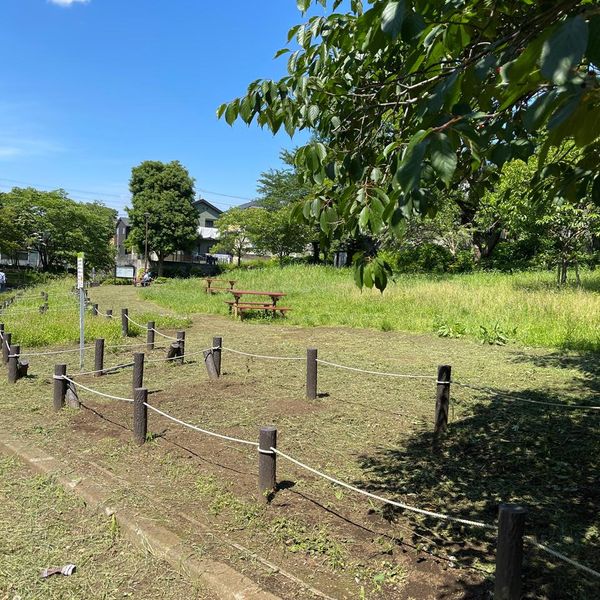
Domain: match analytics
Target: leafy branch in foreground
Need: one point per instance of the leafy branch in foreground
(410, 96)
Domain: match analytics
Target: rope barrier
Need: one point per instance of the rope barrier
(168, 337)
(153, 360)
(556, 554)
(134, 322)
(260, 355)
(77, 384)
(501, 394)
(205, 431)
(105, 370)
(402, 375)
(55, 352)
(421, 511)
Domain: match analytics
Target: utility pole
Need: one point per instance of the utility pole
(146, 245)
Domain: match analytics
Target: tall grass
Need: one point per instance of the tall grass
(526, 307)
(60, 325)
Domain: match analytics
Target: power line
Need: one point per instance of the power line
(226, 195)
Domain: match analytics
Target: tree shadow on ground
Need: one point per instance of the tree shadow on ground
(587, 364)
(544, 458)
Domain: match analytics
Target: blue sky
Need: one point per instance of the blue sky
(89, 89)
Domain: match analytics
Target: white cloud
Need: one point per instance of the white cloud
(67, 2)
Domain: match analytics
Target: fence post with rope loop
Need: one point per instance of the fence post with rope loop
(509, 552)
(442, 399)
(7, 340)
(99, 357)
(94, 310)
(267, 463)
(150, 335)
(109, 314)
(140, 415)
(209, 361)
(125, 322)
(217, 352)
(181, 342)
(138, 370)
(60, 386)
(13, 364)
(311, 373)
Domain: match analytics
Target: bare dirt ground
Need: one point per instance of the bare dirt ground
(370, 431)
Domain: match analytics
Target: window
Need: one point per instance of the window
(209, 223)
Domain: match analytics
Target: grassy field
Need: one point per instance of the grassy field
(42, 526)
(371, 431)
(523, 307)
(60, 325)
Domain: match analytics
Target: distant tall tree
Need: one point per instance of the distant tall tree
(236, 227)
(165, 193)
(58, 227)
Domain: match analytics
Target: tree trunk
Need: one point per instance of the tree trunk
(315, 252)
(161, 264)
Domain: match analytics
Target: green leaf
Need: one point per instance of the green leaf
(564, 50)
(221, 110)
(539, 110)
(392, 18)
(363, 219)
(398, 223)
(303, 5)
(409, 171)
(312, 114)
(593, 47)
(443, 157)
(231, 112)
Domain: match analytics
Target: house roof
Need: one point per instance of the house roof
(251, 204)
(208, 204)
(123, 220)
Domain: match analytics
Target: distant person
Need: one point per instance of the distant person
(2, 281)
(146, 279)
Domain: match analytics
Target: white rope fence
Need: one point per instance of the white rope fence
(198, 429)
(260, 355)
(532, 540)
(92, 391)
(508, 396)
(421, 511)
(381, 373)
(168, 337)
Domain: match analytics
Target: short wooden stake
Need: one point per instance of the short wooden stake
(99, 357)
(311, 373)
(509, 552)
(267, 462)
(150, 335)
(217, 349)
(109, 314)
(442, 399)
(138, 370)
(125, 322)
(60, 386)
(6, 347)
(209, 361)
(94, 310)
(181, 342)
(140, 415)
(13, 364)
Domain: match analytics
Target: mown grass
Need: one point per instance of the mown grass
(524, 307)
(60, 325)
(41, 525)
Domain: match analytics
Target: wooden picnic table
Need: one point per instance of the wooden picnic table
(237, 305)
(210, 288)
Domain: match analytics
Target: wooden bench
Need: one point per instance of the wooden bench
(266, 308)
(213, 289)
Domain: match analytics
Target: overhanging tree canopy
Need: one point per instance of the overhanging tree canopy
(409, 95)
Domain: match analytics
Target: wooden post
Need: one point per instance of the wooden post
(267, 462)
(217, 346)
(209, 361)
(109, 314)
(140, 415)
(125, 322)
(94, 310)
(99, 357)
(60, 386)
(442, 399)
(13, 364)
(181, 341)
(6, 347)
(311, 373)
(138, 370)
(150, 335)
(509, 552)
